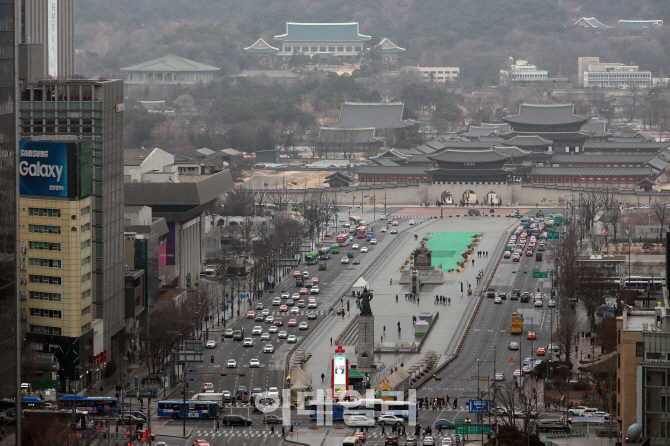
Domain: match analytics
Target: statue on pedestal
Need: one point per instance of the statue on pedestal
(364, 302)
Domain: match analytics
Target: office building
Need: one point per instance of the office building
(56, 180)
(48, 27)
(9, 341)
(91, 110)
(439, 74)
(593, 73)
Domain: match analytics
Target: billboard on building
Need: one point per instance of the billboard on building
(56, 168)
(52, 38)
(166, 250)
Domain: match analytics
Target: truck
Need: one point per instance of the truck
(238, 333)
(370, 235)
(555, 424)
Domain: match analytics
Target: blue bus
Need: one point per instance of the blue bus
(190, 409)
(525, 222)
(372, 408)
(324, 253)
(99, 405)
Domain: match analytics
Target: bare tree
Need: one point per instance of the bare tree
(593, 286)
(661, 209)
(565, 251)
(520, 406)
(567, 332)
(590, 204)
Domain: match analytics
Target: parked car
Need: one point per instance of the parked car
(235, 420)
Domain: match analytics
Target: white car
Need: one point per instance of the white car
(389, 419)
(551, 303)
(295, 310)
(291, 339)
(384, 229)
(265, 336)
(446, 441)
(500, 376)
(295, 296)
(273, 392)
(231, 364)
(358, 420)
(270, 320)
(311, 304)
(285, 294)
(354, 246)
(303, 326)
(373, 241)
(345, 260)
(276, 301)
(364, 249)
(254, 363)
(266, 312)
(538, 303)
(269, 348)
(383, 217)
(258, 330)
(282, 334)
(412, 222)
(305, 275)
(248, 342)
(513, 345)
(314, 290)
(273, 329)
(497, 300)
(211, 343)
(346, 225)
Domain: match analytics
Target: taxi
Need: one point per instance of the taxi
(541, 351)
(292, 323)
(251, 314)
(315, 280)
(283, 308)
(394, 223)
(304, 291)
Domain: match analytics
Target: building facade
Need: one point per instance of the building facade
(169, 69)
(439, 74)
(594, 73)
(91, 110)
(309, 39)
(524, 71)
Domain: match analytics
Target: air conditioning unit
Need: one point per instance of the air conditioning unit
(24, 331)
(24, 297)
(23, 267)
(23, 317)
(24, 282)
(23, 249)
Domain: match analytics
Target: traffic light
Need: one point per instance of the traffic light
(534, 393)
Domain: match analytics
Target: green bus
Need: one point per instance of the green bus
(335, 248)
(311, 258)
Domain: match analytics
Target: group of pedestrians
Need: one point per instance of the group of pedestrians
(482, 254)
(480, 274)
(442, 300)
(412, 297)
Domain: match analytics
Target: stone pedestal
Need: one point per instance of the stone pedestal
(366, 342)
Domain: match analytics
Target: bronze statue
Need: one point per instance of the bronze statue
(364, 302)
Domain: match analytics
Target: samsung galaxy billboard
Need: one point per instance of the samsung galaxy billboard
(43, 168)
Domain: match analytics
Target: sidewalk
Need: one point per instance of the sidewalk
(445, 334)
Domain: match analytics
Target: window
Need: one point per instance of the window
(48, 263)
(85, 244)
(39, 295)
(86, 294)
(51, 280)
(618, 360)
(358, 48)
(86, 310)
(86, 210)
(322, 49)
(86, 260)
(45, 330)
(85, 277)
(85, 227)
(639, 349)
(44, 229)
(314, 49)
(618, 385)
(287, 49)
(85, 328)
(45, 246)
(618, 335)
(349, 49)
(331, 49)
(39, 212)
(340, 49)
(305, 49)
(41, 312)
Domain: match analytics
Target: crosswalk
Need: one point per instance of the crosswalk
(243, 432)
(288, 314)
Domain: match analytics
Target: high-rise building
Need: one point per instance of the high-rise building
(8, 204)
(51, 24)
(56, 179)
(91, 110)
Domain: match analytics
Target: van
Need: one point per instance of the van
(351, 441)
(538, 257)
(298, 281)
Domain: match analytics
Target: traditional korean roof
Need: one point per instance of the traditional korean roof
(322, 32)
(534, 114)
(261, 47)
(339, 176)
(528, 141)
(597, 129)
(477, 132)
(632, 134)
(564, 158)
(657, 163)
(383, 115)
(272, 74)
(554, 137)
(348, 135)
(467, 145)
(386, 46)
(511, 152)
(592, 22)
(611, 146)
(388, 162)
(170, 63)
(391, 153)
(392, 170)
(205, 151)
(638, 25)
(468, 156)
(491, 139)
(593, 171)
(469, 174)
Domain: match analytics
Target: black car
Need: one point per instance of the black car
(323, 266)
(391, 439)
(410, 442)
(491, 293)
(350, 254)
(525, 296)
(235, 420)
(272, 419)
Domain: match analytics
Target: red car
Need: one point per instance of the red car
(394, 223)
(292, 323)
(315, 280)
(200, 442)
(304, 291)
(529, 252)
(516, 257)
(251, 314)
(360, 435)
(541, 351)
(296, 273)
(283, 308)
(532, 336)
(279, 322)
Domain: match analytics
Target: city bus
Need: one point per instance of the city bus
(190, 409)
(355, 220)
(311, 258)
(79, 419)
(361, 232)
(99, 405)
(343, 239)
(335, 247)
(372, 408)
(642, 283)
(525, 222)
(516, 323)
(324, 253)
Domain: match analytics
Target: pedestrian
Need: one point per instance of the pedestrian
(367, 429)
(455, 403)
(217, 425)
(487, 253)
(449, 300)
(417, 301)
(383, 432)
(447, 399)
(391, 281)
(272, 430)
(398, 330)
(282, 432)
(473, 262)
(331, 341)
(439, 429)
(393, 428)
(323, 377)
(382, 338)
(384, 328)
(396, 298)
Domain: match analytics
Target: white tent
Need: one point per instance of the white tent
(360, 285)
